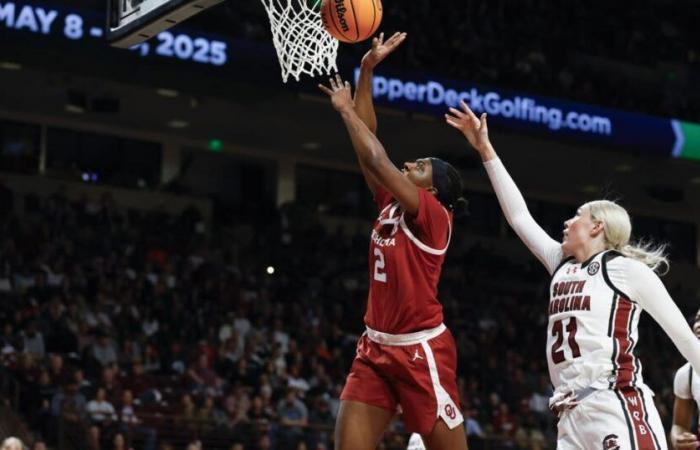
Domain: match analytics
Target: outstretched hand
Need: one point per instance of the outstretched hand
(685, 441)
(340, 93)
(381, 49)
(474, 128)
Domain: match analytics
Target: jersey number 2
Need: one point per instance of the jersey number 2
(558, 332)
(379, 265)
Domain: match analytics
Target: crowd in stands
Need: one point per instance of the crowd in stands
(128, 329)
(643, 58)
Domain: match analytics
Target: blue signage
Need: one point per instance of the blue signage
(604, 126)
(431, 95)
(79, 26)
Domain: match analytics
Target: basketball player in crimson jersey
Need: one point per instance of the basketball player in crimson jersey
(406, 359)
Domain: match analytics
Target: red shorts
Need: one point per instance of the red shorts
(416, 372)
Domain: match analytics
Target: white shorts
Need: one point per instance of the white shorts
(613, 420)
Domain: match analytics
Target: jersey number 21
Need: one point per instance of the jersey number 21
(558, 332)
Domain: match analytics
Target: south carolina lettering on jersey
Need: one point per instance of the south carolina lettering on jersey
(382, 242)
(565, 298)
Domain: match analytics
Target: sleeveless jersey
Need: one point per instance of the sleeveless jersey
(405, 262)
(686, 385)
(592, 330)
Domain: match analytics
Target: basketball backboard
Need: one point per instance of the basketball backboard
(130, 22)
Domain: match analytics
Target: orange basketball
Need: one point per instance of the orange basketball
(351, 20)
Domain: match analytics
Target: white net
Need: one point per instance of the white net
(303, 45)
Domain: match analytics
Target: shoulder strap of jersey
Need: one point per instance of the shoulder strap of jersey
(561, 264)
(421, 245)
(605, 259)
(690, 379)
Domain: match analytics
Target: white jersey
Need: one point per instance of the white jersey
(595, 309)
(686, 385)
(592, 330)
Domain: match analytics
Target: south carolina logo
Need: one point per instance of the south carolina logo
(450, 411)
(593, 268)
(610, 442)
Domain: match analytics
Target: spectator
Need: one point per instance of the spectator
(57, 369)
(111, 384)
(141, 383)
(195, 445)
(187, 418)
(323, 421)
(503, 422)
(264, 443)
(119, 443)
(207, 416)
(204, 379)
(68, 408)
(280, 336)
(39, 445)
(539, 402)
(102, 415)
(151, 359)
(230, 352)
(296, 381)
(33, 340)
(132, 426)
(293, 416)
(104, 350)
(84, 385)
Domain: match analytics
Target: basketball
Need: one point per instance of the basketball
(351, 21)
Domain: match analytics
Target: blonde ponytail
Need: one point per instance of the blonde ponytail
(618, 229)
(652, 255)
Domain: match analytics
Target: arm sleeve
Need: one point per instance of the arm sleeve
(645, 287)
(546, 249)
(681, 383)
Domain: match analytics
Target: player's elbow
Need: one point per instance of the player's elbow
(374, 158)
(517, 222)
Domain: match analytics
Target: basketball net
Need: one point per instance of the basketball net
(303, 45)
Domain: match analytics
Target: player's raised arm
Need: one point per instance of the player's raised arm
(475, 129)
(364, 105)
(369, 150)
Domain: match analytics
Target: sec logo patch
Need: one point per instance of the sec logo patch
(593, 268)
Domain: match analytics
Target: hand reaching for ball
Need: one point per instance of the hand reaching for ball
(340, 93)
(381, 49)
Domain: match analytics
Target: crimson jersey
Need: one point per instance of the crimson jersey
(406, 256)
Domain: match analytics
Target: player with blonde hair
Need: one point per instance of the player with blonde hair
(12, 443)
(601, 282)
